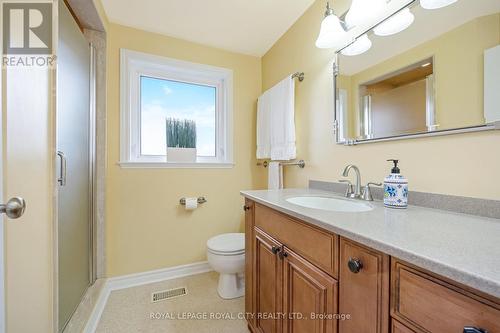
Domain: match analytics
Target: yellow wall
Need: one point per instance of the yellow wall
(458, 69)
(146, 229)
(465, 164)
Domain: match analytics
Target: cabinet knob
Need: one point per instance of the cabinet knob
(245, 208)
(275, 249)
(470, 329)
(283, 255)
(355, 265)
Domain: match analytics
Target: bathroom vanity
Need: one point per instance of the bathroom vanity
(402, 271)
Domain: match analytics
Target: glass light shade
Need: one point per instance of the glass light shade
(395, 24)
(363, 11)
(435, 4)
(361, 45)
(331, 34)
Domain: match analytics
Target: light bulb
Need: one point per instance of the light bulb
(435, 4)
(331, 34)
(361, 45)
(364, 11)
(395, 24)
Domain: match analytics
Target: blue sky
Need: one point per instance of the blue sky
(161, 99)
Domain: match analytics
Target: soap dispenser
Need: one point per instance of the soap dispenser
(395, 188)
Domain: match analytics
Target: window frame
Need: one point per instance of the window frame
(133, 66)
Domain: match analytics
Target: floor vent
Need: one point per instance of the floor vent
(168, 294)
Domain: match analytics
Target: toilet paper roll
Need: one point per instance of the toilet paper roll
(191, 203)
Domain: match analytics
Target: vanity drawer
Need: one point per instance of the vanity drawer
(317, 246)
(430, 304)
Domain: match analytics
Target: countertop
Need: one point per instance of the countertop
(464, 248)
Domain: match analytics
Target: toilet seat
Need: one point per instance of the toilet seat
(231, 244)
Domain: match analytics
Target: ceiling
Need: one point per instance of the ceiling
(243, 26)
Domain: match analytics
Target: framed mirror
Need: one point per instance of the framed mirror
(439, 75)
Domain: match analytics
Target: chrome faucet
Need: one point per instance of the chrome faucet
(355, 191)
(357, 188)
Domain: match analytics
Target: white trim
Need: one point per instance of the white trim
(170, 165)
(133, 65)
(139, 279)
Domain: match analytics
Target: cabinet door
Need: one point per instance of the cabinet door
(267, 283)
(364, 289)
(309, 297)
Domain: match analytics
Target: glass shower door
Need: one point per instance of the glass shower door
(74, 165)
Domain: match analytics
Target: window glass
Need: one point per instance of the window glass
(161, 99)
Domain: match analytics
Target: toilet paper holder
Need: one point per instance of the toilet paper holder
(201, 200)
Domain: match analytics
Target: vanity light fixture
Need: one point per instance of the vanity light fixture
(435, 4)
(395, 24)
(332, 33)
(360, 46)
(364, 11)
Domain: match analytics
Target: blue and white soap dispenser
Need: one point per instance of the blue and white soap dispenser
(395, 188)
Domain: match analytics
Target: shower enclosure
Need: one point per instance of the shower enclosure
(75, 165)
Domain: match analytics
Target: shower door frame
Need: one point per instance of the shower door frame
(92, 167)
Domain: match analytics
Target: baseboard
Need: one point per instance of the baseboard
(133, 280)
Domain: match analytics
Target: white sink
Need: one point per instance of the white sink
(331, 204)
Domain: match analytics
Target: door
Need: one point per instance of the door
(267, 281)
(306, 291)
(364, 289)
(73, 145)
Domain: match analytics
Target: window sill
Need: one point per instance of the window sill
(173, 165)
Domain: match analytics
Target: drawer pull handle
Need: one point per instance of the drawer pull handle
(275, 249)
(355, 265)
(245, 208)
(469, 329)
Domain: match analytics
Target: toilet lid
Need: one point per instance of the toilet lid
(227, 243)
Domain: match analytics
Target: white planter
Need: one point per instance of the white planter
(181, 155)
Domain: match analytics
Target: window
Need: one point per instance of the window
(154, 89)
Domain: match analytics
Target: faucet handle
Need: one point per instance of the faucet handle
(350, 188)
(367, 193)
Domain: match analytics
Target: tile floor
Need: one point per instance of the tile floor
(131, 310)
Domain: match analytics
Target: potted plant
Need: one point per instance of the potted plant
(181, 140)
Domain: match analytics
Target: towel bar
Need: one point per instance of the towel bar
(300, 163)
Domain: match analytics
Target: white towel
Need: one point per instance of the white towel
(276, 122)
(275, 176)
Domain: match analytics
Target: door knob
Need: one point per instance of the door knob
(14, 208)
(245, 208)
(275, 249)
(355, 265)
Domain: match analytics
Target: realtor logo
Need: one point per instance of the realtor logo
(27, 28)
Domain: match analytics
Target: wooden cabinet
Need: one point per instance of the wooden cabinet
(397, 327)
(309, 297)
(302, 238)
(249, 240)
(364, 289)
(431, 304)
(292, 269)
(290, 294)
(267, 284)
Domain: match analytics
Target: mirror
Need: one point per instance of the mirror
(441, 75)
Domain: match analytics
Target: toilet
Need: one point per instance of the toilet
(226, 255)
